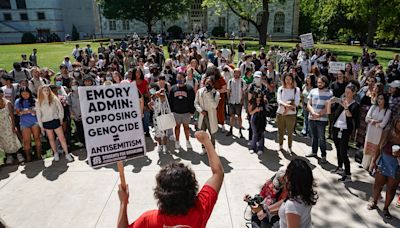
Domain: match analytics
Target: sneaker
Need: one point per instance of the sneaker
(260, 152)
(345, 179)
(9, 160)
(69, 157)
(177, 146)
(338, 170)
(223, 128)
(164, 149)
(56, 157)
(20, 157)
(311, 155)
(159, 148)
(229, 133)
(188, 145)
(323, 160)
(171, 138)
(203, 151)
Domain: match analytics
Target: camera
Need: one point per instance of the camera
(257, 199)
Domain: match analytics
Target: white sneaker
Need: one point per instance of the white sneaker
(188, 145)
(69, 157)
(223, 128)
(260, 152)
(203, 151)
(9, 160)
(159, 148)
(20, 157)
(56, 157)
(164, 148)
(177, 145)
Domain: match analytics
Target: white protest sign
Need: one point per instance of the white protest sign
(334, 67)
(307, 40)
(112, 122)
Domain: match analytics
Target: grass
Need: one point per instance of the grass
(52, 54)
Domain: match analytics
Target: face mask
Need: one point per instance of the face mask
(209, 87)
(179, 82)
(108, 78)
(257, 81)
(58, 83)
(74, 88)
(76, 74)
(182, 64)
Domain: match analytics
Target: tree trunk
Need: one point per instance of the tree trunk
(149, 25)
(372, 23)
(263, 27)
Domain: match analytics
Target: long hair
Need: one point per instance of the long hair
(285, 75)
(41, 96)
(176, 189)
(300, 182)
(31, 100)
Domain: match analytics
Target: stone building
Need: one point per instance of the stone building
(45, 17)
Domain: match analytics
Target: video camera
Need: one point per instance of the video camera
(257, 199)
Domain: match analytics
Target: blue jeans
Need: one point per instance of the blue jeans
(317, 129)
(146, 121)
(306, 127)
(257, 142)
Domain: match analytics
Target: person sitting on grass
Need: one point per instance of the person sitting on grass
(178, 200)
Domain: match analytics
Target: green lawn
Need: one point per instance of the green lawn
(51, 54)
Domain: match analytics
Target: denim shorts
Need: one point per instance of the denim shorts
(22, 126)
(388, 166)
(52, 125)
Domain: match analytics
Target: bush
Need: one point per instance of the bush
(218, 31)
(28, 38)
(53, 38)
(175, 32)
(75, 33)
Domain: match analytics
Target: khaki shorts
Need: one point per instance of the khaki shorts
(182, 118)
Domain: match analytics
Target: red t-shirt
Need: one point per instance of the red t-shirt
(142, 87)
(196, 216)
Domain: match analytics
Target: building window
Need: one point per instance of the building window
(7, 16)
(279, 22)
(221, 22)
(41, 16)
(125, 25)
(5, 4)
(112, 25)
(21, 4)
(24, 16)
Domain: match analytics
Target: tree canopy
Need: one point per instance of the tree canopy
(146, 11)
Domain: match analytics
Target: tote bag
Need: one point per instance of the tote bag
(166, 121)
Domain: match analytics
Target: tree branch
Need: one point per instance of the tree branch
(242, 17)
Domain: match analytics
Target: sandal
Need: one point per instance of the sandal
(387, 214)
(372, 206)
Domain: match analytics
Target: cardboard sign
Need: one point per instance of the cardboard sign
(112, 122)
(334, 67)
(307, 40)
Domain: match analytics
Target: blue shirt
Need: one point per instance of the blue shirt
(26, 120)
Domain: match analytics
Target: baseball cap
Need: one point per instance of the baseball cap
(395, 84)
(257, 74)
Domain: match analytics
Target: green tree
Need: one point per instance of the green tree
(147, 11)
(247, 10)
(75, 33)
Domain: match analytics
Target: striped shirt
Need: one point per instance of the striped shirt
(318, 100)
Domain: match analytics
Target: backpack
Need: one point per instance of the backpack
(27, 76)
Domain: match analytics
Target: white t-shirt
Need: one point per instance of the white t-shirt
(298, 208)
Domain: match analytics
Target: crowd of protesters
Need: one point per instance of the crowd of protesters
(202, 85)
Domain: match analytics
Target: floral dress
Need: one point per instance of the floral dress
(9, 141)
(160, 108)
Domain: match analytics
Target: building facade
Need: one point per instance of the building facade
(45, 17)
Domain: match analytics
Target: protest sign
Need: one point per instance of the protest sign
(307, 40)
(112, 122)
(334, 67)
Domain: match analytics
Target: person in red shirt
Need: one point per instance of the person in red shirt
(179, 204)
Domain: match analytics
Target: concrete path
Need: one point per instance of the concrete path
(49, 194)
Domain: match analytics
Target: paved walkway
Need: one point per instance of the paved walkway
(48, 194)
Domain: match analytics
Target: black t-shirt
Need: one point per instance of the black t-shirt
(241, 48)
(181, 99)
(338, 88)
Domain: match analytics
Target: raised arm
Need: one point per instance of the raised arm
(123, 194)
(215, 181)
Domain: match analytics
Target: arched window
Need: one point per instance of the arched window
(279, 22)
